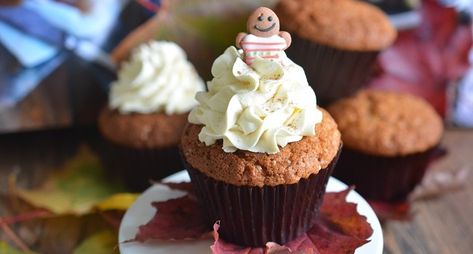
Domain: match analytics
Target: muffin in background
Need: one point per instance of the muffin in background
(389, 139)
(336, 42)
(147, 112)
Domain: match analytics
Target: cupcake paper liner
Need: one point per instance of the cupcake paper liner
(253, 216)
(387, 179)
(332, 73)
(136, 167)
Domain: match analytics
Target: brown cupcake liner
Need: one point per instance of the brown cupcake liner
(386, 179)
(137, 167)
(332, 73)
(253, 216)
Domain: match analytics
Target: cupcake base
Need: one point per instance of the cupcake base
(253, 216)
(388, 179)
(332, 73)
(138, 167)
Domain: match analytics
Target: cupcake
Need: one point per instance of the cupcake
(389, 139)
(258, 149)
(336, 42)
(147, 112)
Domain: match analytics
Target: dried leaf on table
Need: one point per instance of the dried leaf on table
(339, 226)
(62, 234)
(5, 248)
(436, 183)
(176, 219)
(221, 247)
(103, 242)
(78, 188)
(120, 201)
(338, 229)
(302, 245)
(113, 218)
(392, 211)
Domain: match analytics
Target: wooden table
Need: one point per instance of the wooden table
(441, 225)
(445, 224)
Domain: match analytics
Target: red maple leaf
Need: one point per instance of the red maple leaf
(423, 61)
(338, 229)
(175, 219)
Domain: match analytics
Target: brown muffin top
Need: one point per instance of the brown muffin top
(294, 161)
(387, 123)
(142, 131)
(343, 24)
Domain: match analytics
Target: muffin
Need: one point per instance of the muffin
(389, 139)
(258, 149)
(147, 112)
(336, 42)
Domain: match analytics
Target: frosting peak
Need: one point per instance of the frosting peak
(256, 108)
(157, 78)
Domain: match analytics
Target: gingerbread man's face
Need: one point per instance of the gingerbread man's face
(263, 22)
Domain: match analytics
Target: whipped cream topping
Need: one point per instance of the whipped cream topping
(157, 78)
(257, 108)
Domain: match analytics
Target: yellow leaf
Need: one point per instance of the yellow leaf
(75, 189)
(7, 249)
(104, 242)
(120, 201)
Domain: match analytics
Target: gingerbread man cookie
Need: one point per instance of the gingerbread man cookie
(263, 38)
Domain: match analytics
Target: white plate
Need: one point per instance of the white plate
(142, 211)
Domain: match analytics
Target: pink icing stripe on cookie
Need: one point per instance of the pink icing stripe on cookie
(252, 57)
(261, 43)
(263, 49)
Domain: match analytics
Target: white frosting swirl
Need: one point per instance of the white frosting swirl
(157, 78)
(257, 108)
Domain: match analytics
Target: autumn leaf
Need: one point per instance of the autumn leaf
(392, 211)
(78, 188)
(343, 215)
(120, 201)
(177, 219)
(338, 229)
(104, 242)
(7, 249)
(423, 61)
(221, 247)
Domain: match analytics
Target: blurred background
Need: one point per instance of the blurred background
(58, 58)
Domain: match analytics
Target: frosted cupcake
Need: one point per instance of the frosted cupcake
(147, 112)
(258, 149)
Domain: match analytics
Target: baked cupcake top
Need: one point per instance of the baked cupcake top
(343, 24)
(294, 161)
(142, 131)
(387, 123)
(157, 78)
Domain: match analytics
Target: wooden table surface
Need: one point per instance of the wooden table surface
(440, 225)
